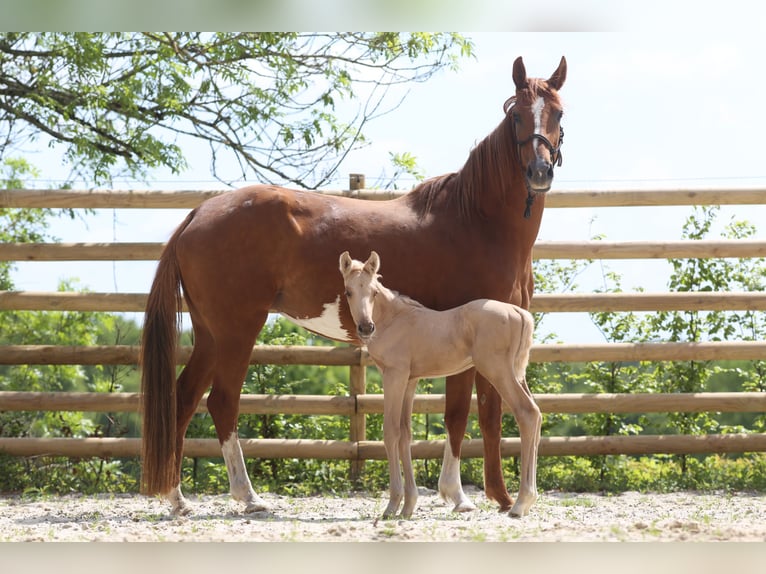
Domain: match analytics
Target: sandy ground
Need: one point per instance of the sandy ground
(555, 517)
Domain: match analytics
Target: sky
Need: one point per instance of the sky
(663, 108)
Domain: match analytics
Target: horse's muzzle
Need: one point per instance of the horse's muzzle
(539, 175)
(365, 329)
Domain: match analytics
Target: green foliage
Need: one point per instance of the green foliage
(284, 107)
(659, 473)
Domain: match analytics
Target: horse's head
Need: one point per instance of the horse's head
(361, 284)
(536, 113)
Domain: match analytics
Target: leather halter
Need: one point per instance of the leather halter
(555, 151)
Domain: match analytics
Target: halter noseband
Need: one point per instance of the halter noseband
(555, 151)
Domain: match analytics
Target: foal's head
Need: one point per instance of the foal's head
(536, 114)
(361, 284)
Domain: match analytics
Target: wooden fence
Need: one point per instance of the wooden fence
(358, 404)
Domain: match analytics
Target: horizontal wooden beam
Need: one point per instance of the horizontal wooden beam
(541, 302)
(569, 403)
(129, 354)
(335, 356)
(159, 199)
(682, 249)
(375, 450)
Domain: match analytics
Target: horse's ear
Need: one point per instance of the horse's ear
(345, 262)
(557, 78)
(372, 264)
(519, 74)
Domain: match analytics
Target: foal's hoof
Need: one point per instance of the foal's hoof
(464, 506)
(521, 509)
(257, 506)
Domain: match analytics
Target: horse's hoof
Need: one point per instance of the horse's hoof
(257, 506)
(464, 506)
(519, 511)
(180, 511)
(389, 513)
(505, 507)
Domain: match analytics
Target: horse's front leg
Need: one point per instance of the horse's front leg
(529, 420)
(394, 387)
(490, 423)
(405, 451)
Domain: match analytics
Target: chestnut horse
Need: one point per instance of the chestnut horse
(261, 249)
(409, 342)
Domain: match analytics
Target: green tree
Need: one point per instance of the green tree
(286, 107)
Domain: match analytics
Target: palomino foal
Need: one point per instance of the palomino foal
(408, 341)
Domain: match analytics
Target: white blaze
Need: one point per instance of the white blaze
(537, 111)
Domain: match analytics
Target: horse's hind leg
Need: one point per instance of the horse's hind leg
(458, 404)
(193, 381)
(223, 404)
(529, 420)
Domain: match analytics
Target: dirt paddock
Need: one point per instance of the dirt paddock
(631, 516)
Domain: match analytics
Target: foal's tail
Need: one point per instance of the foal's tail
(158, 372)
(521, 358)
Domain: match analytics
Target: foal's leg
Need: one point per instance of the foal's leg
(223, 404)
(405, 450)
(533, 422)
(516, 393)
(394, 388)
(458, 404)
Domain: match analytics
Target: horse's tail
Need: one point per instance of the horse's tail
(521, 358)
(158, 372)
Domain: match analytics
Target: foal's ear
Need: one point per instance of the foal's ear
(519, 74)
(372, 264)
(345, 262)
(557, 78)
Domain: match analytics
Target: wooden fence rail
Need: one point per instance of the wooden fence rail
(150, 199)
(541, 302)
(374, 450)
(565, 403)
(358, 404)
(685, 249)
(347, 356)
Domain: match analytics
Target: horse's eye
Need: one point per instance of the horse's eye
(516, 118)
(375, 293)
(348, 294)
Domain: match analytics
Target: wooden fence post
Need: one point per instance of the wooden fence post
(357, 386)
(356, 181)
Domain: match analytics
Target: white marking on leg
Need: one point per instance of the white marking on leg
(327, 324)
(450, 487)
(239, 482)
(176, 498)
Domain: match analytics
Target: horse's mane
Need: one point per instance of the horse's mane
(357, 266)
(489, 168)
(400, 296)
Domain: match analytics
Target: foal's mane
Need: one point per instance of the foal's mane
(358, 266)
(490, 168)
(400, 296)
